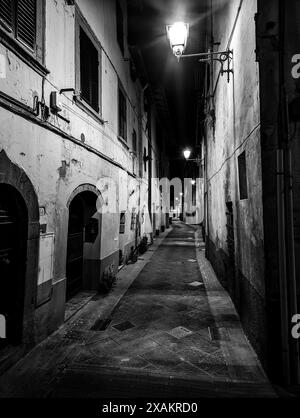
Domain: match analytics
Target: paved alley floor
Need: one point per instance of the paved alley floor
(173, 333)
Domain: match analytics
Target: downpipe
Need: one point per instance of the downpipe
(284, 317)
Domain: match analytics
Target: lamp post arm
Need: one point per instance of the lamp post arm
(205, 54)
(221, 57)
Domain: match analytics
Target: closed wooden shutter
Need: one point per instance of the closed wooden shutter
(120, 26)
(6, 12)
(89, 71)
(122, 115)
(26, 22)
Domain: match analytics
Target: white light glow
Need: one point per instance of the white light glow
(187, 154)
(193, 182)
(178, 34)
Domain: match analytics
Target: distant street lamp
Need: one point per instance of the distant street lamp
(178, 34)
(187, 153)
(198, 160)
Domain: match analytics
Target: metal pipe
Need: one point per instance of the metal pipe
(284, 317)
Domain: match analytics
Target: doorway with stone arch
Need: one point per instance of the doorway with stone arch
(19, 249)
(84, 242)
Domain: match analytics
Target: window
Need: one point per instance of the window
(89, 71)
(243, 176)
(88, 68)
(120, 25)
(134, 142)
(122, 222)
(122, 115)
(22, 20)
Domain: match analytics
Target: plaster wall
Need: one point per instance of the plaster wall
(236, 129)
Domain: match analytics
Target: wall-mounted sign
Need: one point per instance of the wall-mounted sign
(91, 230)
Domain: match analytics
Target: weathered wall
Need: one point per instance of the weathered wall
(62, 159)
(236, 129)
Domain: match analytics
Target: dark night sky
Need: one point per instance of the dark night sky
(148, 30)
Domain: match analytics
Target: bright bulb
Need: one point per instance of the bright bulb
(193, 182)
(187, 154)
(178, 35)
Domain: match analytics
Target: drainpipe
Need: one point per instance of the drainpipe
(211, 101)
(284, 316)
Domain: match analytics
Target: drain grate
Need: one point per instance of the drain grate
(180, 332)
(123, 326)
(101, 324)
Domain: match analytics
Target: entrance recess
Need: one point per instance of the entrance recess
(81, 211)
(13, 248)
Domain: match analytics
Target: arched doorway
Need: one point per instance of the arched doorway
(83, 229)
(13, 250)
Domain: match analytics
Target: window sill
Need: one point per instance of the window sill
(89, 110)
(123, 142)
(20, 51)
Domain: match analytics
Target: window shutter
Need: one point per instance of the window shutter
(122, 115)
(26, 22)
(89, 71)
(120, 26)
(6, 12)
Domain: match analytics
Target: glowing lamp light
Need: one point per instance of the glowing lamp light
(187, 154)
(193, 182)
(178, 35)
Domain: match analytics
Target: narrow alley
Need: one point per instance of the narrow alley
(172, 333)
(149, 200)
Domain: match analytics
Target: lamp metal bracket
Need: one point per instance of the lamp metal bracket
(224, 58)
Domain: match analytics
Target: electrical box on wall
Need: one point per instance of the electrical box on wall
(54, 104)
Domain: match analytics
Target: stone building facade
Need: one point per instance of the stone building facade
(76, 124)
(252, 174)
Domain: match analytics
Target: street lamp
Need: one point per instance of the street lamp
(178, 34)
(187, 153)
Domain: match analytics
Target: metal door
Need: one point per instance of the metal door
(231, 248)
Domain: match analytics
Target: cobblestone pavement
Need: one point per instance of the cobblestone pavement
(166, 337)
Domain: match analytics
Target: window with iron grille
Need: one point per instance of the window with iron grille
(120, 26)
(22, 20)
(122, 115)
(88, 67)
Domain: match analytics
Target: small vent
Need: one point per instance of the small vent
(6, 12)
(26, 22)
(123, 326)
